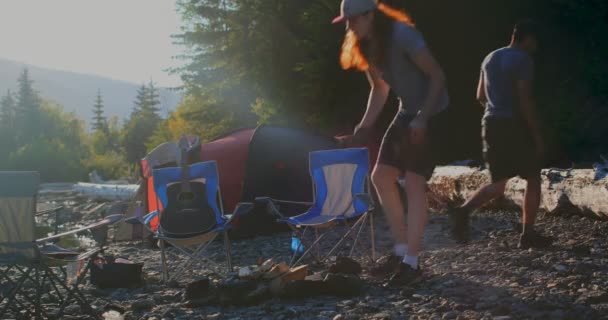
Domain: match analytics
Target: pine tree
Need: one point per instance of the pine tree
(140, 100)
(99, 120)
(7, 110)
(28, 110)
(142, 123)
(153, 99)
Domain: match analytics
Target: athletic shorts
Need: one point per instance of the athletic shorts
(397, 151)
(509, 149)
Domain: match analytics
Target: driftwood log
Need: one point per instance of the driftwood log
(578, 191)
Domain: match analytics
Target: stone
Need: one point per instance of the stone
(345, 265)
(214, 316)
(339, 317)
(382, 316)
(72, 309)
(196, 289)
(142, 304)
(560, 268)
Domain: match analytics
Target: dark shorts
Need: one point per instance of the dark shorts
(397, 151)
(509, 149)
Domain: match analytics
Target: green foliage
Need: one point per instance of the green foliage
(38, 135)
(198, 116)
(267, 112)
(110, 165)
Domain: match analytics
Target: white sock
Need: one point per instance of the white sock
(400, 249)
(412, 261)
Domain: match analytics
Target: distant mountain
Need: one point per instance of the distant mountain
(77, 92)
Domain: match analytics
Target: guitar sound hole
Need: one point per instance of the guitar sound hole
(186, 196)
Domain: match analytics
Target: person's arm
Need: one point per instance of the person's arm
(425, 61)
(481, 91)
(528, 110)
(376, 101)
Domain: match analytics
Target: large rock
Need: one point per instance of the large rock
(579, 191)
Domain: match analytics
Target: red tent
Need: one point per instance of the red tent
(230, 152)
(252, 162)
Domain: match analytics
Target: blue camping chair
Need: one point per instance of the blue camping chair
(191, 232)
(341, 195)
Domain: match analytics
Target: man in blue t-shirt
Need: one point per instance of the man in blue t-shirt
(513, 144)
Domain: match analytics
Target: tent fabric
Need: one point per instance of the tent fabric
(165, 154)
(277, 166)
(230, 152)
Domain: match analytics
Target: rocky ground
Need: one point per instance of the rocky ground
(487, 279)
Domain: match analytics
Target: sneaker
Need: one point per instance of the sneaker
(405, 275)
(461, 230)
(388, 265)
(532, 239)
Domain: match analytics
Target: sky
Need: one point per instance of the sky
(121, 39)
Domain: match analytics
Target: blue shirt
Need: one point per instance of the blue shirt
(501, 70)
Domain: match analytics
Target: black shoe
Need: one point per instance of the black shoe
(388, 265)
(532, 239)
(461, 230)
(405, 275)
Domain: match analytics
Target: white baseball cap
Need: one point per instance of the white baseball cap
(351, 8)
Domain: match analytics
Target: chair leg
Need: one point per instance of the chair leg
(371, 228)
(163, 260)
(73, 292)
(357, 236)
(337, 245)
(15, 290)
(227, 248)
(194, 255)
(308, 250)
(39, 287)
(318, 246)
(18, 306)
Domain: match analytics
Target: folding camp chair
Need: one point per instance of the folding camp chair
(341, 195)
(29, 267)
(190, 237)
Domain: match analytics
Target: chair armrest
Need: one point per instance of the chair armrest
(109, 220)
(49, 211)
(366, 199)
(270, 206)
(242, 208)
(142, 219)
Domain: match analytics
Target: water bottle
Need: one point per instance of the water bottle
(296, 244)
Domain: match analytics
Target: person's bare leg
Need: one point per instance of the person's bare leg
(384, 179)
(417, 208)
(485, 194)
(460, 216)
(529, 237)
(531, 203)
